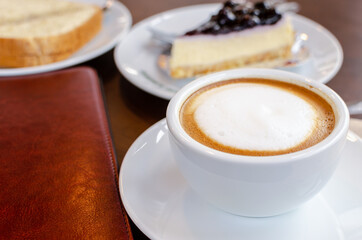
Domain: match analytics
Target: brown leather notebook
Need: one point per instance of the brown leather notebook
(58, 173)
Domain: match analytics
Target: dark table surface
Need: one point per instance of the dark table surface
(132, 111)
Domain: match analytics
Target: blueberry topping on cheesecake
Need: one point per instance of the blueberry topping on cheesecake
(236, 17)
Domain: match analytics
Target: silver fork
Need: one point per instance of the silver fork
(107, 5)
(355, 108)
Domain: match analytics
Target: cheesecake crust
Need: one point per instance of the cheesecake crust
(260, 60)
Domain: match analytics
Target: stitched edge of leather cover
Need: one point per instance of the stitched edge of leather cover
(112, 155)
(113, 159)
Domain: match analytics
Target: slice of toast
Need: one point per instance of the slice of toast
(37, 32)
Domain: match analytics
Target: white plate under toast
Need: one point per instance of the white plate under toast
(117, 21)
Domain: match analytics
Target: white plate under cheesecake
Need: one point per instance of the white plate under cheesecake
(138, 55)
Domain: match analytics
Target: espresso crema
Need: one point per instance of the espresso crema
(257, 117)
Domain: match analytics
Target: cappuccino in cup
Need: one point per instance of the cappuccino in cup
(256, 142)
(257, 117)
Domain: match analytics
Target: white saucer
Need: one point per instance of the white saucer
(162, 205)
(136, 56)
(117, 21)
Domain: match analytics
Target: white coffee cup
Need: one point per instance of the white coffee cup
(251, 185)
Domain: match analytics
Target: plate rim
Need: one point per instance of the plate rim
(335, 42)
(72, 61)
(158, 93)
(161, 124)
(145, 230)
(167, 95)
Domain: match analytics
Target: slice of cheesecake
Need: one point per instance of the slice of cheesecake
(37, 32)
(238, 35)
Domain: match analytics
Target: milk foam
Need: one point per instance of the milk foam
(254, 116)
